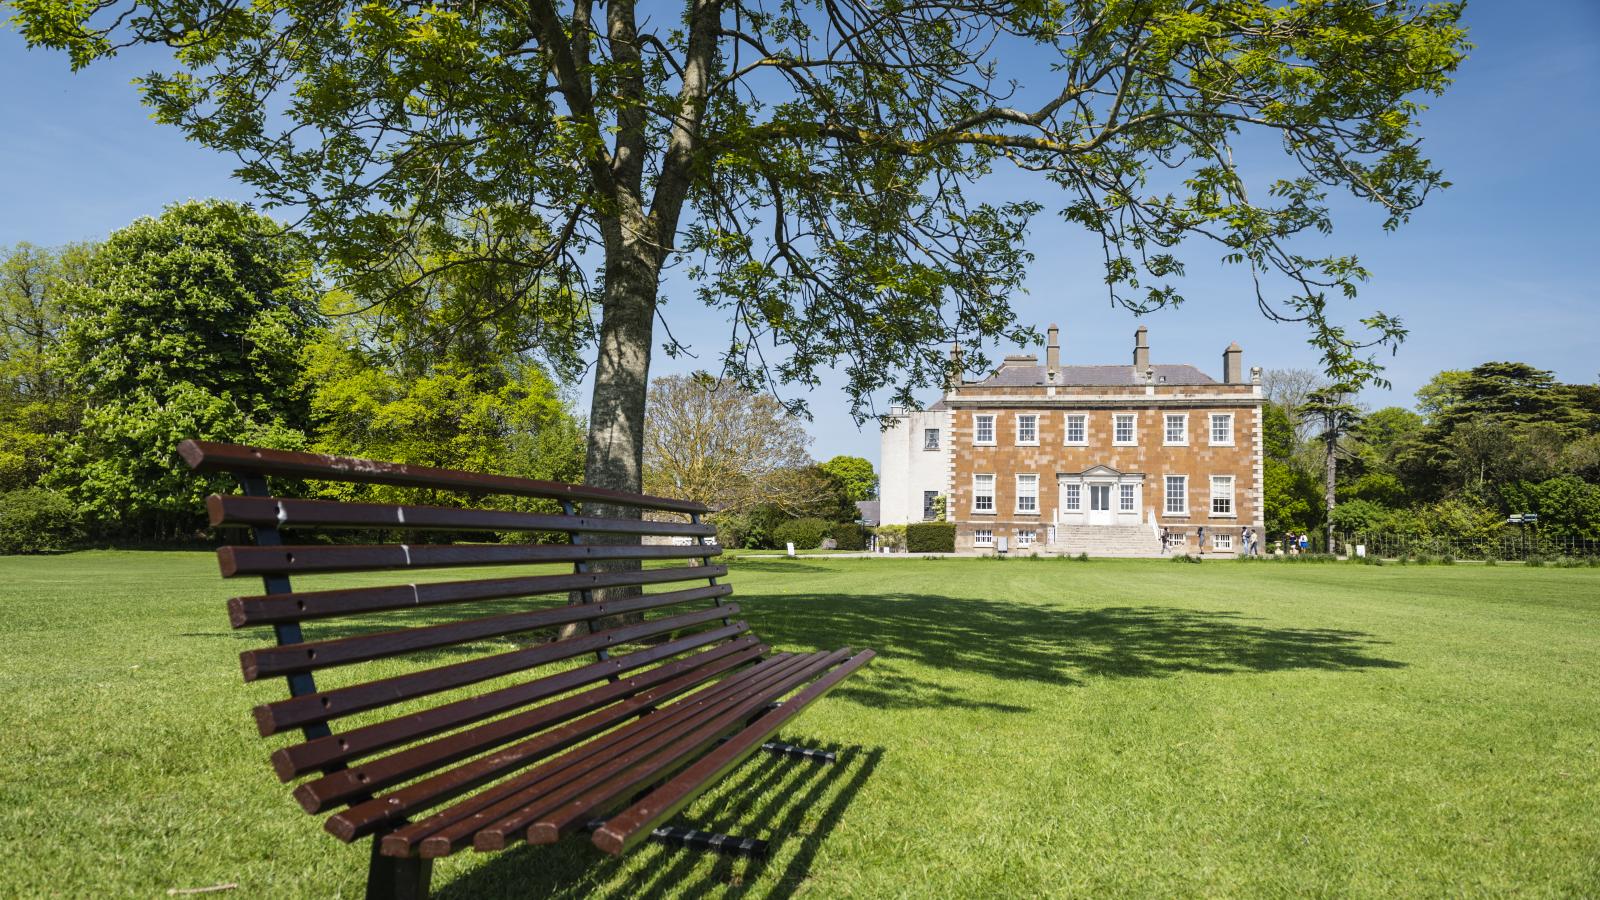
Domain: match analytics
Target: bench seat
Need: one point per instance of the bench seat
(677, 693)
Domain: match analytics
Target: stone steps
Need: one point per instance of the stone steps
(1124, 541)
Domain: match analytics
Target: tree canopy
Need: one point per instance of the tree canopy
(811, 164)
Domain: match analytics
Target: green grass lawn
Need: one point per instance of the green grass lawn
(1031, 727)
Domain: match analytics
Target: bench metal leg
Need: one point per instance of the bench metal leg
(690, 839)
(397, 878)
(781, 749)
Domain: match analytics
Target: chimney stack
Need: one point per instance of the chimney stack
(1052, 353)
(1233, 364)
(1141, 350)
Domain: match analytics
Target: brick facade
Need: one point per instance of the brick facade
(1113, 482)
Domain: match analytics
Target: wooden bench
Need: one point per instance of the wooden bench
(442, 755)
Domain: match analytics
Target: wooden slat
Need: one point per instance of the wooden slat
(376, 775)
(284, 512)
(323, 706)
(375, 814)
(452, 828)
(304, 559)
(310, 656)
(209, 456)
(645, 761)
(275, 608)
(636, 822)
(324, 752)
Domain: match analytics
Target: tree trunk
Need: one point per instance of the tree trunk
(615, 456)
(1330, 476)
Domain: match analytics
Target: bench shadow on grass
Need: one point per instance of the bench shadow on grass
(792, 804)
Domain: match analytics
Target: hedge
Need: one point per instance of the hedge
(931, 537)
(805, 534)
(33, 520)
(849, 536)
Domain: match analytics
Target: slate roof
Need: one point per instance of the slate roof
(867, 512)
(1012, 375)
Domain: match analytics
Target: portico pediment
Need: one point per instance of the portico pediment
(1101, 471)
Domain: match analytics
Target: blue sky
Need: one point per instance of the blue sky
(1501, 266)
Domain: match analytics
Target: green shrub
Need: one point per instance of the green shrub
(1082, 557)
(848, 536)
(892, 537)
(1186, 558)
(34, 520)
(1447, 559)
(931, 537)
(1491, 560)
(805, 534)
(1534, 560)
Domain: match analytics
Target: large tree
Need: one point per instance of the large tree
(810, 162)
(187, 325)
(37, 405)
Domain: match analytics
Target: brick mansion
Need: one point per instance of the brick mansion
(1102, 459)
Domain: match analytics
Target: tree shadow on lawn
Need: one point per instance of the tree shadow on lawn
(1019, 641)
(769, 797)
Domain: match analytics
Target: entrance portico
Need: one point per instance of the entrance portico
(1100, 495)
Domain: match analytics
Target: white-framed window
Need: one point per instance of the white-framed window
(1125, 498)
(983, 537)
(1077, 428)
(1124, 430)
(1074, 497)
(1025, 537)
(1222, 429)
(930, 438)
(1028, 429)
(1027, 493)
(983, 493)
(1177, 495)
(1221, 541)
(1177, 428)
(983, 430)
(1222, 495)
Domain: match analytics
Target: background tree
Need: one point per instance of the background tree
(1336, 416)
(1289, 493)
(855, 475)
(727, 447)
(811, 160)
(1289, 389)
(187, 325)
(37, 405)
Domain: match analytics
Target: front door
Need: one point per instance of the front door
(1100, 504)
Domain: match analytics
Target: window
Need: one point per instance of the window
(930, 438)
(1177, 428)
(1074, 497)
(1027, 493)
(1222, 428)
(1124, 431)
(1222, 495)
(983, 537)
(1028, 429)
(930, 506)
(1125, 500)
(985, 430)
(1077, 429)
(1025, 537)
(983, 493)
(1221, 541)
(1177, 495)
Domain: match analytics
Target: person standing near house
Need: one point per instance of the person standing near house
(1305, 542)
(1201, 540)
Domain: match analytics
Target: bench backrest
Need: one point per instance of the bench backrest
(392, 712)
